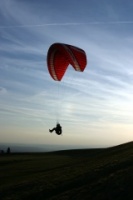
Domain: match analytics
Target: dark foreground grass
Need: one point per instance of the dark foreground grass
(94, 174)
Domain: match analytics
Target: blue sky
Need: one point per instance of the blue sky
(95, 108)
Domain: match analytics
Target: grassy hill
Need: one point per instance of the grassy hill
(95, 174)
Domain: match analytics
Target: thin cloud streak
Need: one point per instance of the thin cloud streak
(67, 24)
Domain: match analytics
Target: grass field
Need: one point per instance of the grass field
(94, 174)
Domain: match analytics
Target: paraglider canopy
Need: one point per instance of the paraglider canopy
(61, 55)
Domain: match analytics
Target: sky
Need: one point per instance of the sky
(94, 108)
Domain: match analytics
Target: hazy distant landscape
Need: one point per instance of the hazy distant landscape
(30, 148)
(18, 148)
(104, 173)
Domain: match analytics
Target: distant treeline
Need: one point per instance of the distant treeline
(8, 151)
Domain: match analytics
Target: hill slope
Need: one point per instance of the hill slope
(71, 174)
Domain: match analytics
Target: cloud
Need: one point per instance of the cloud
(3, 91)
(67, 24)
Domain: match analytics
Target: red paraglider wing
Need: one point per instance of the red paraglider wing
(61, 55)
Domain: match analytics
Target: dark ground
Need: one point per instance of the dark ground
(96, 174)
